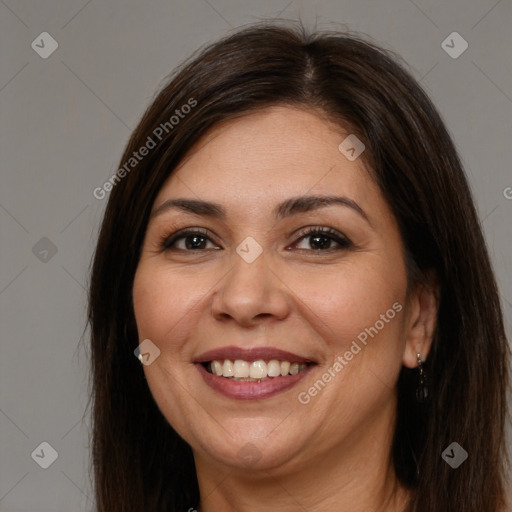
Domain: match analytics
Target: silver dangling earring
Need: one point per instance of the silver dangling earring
(422, 393)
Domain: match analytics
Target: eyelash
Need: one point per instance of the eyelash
(344, 243)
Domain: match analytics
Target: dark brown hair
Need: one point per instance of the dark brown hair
(140, 463)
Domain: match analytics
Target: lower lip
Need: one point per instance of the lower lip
(241, 390)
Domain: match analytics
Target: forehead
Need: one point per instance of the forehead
(268, 156)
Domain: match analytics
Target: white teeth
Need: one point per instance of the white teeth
(273, 368)
(228, 370)
(241, 369)
(257, 370)
(294, 368)
(217, 368)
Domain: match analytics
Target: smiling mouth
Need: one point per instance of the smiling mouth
(253, 371)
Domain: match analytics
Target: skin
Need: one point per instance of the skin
(334, 452)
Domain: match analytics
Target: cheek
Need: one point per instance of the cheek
(164, 313)
(161, 302)
(360, 317)
(355, 302)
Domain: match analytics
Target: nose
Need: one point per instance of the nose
(251, 293)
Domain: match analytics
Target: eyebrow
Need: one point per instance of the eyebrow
(292, 206)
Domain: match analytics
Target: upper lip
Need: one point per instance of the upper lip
(250, 355)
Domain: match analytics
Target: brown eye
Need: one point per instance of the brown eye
(188, 241)
(322, 239)
(195, 242)
(320, 242)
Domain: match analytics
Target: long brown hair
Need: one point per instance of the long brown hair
(139, 461)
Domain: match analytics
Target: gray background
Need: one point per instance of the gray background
(65, 120)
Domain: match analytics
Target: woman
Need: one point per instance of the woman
(291, 250)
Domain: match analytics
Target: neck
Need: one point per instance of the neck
(356, 476)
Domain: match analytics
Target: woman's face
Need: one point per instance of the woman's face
(244, 264)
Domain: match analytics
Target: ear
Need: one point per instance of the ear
(421, 320)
